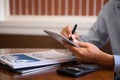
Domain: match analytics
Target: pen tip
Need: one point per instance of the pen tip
(70, 38)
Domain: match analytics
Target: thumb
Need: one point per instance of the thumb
(83, 44)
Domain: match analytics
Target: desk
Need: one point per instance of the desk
(51, 74)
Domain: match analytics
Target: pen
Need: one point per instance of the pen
(73, 31)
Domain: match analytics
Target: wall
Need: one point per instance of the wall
(29, 41)
(23, 32)
(30, 17)
(56, 7)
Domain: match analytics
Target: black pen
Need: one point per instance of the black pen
(73, 31)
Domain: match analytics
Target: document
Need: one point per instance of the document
(34, 59)
(30, 70)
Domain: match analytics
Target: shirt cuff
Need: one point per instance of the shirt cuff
(117, 65)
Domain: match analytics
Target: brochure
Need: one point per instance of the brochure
(30, 70)
(34, 59)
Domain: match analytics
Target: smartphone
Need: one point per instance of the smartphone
(78, 70)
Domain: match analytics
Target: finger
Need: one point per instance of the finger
(76, 51)
(75, 41)
(66, 31)
(69, 30)
(83, 44)
(76, 35)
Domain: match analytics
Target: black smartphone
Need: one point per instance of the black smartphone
(78, 70)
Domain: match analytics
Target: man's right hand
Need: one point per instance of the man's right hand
(67, 32)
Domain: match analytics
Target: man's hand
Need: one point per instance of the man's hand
(67, 32)
(91, 54)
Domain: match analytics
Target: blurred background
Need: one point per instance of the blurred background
(22, 21)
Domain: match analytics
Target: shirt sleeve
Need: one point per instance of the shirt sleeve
(97, 33)
(117, 65)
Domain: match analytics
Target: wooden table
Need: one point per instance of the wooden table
(103, 74)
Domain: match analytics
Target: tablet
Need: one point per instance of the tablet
(60, 38)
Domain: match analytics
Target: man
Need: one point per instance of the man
(106, 28)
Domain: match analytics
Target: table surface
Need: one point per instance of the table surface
(102, 74)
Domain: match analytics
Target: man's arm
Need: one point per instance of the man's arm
(98, 34)
(117, 65)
